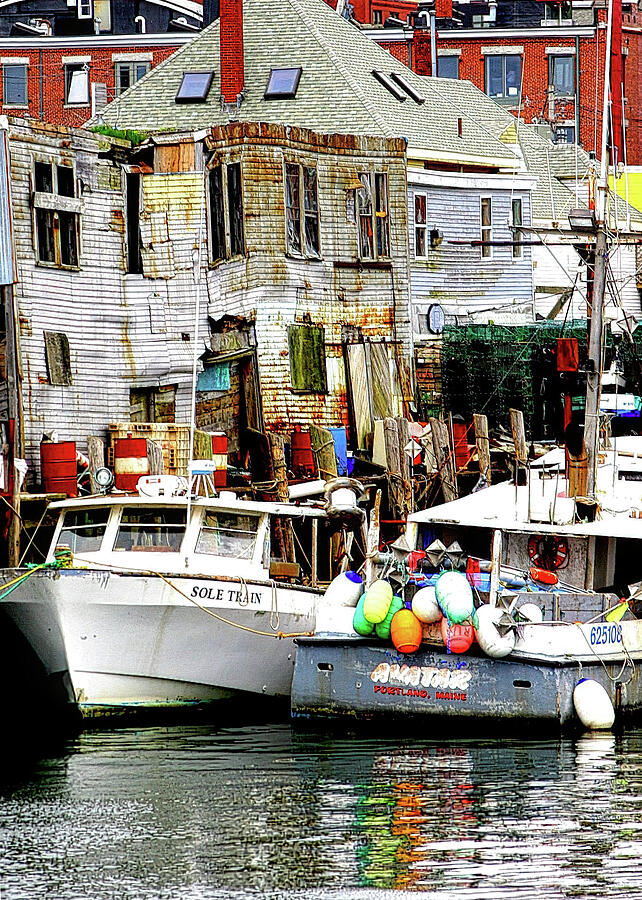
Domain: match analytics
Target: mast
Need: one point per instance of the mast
(594, 365)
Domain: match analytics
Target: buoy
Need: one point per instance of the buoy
(543, 576)
(489, 638)
(531, 612)
(593, 705)
(406, 631)
(457, 637)
(383, 628)
(425, 606)
(359, 622)
(377, 600)
(345, 589)
(454, 597)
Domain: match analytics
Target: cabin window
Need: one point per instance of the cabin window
(83, 530)
(486, 227)
(57, 215)
(228, 534)
(307, 358)
(227, 237)
(145, 529)
(372, 208)
(421, 245)
(14, 85)
(302, 209)
(516, 223)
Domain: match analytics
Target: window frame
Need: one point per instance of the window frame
(486, 231)
(85, 9)
(231, 241)
(69, 70)
(552, 60)
(55, 214)
(11, 104)
(493, 57)
(374, 215)
(181, 94)
(131, 66)
(516, 226)
(448, 57)
(290, 94)
(420, 228)
(299, 213)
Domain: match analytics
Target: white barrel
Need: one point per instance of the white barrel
(593, 705)
(489, 638)
(344, 590)
(425, 606)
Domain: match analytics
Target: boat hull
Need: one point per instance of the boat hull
(342, 677)
(136, 641)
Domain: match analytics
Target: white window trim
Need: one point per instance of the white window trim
(132, 57)
(486, 252)
(448, 51)
(501, 50)
(420, 225)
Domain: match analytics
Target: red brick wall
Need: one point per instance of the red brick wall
(101, 69)
(363, 9)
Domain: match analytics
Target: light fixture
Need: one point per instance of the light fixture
(582, 219)
(436, 238)
(104, 478)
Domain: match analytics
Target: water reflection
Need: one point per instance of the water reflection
(191, 812)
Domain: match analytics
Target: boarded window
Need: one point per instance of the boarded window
(307, 358)
(421, 244)
(58, 357)
(518, 234)
(155, 404)
(371, 387)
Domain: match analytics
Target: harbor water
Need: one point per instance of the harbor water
(197, 812)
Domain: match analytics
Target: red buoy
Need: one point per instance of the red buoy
(457, 638)
(543, 576)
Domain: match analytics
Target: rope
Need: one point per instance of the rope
(11, 586)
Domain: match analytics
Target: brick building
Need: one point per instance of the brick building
(63, 61)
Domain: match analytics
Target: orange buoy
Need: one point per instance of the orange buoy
(457, 637)
(543, 576)
(406, 631)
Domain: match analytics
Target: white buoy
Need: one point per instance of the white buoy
(489, 638)
(593, 705)
(425, 606)
(531, 612)
(345, 589)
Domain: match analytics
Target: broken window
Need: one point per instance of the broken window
(421, 244)
(302, 209)
(372, 205)
(58, 357)
(486, 226)
(516, 222)
(57, 215)
(77, 84)
(14, 85)
(153, 404)
(128, 73)
(307, 358)
(227, 237)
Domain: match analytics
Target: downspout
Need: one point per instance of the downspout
(433, 44)
(577, 89)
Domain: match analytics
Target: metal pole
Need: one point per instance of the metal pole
(433, 44)
(14, 398)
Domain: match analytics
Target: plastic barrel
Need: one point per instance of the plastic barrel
(301, 451)
(219, 455)
(58, 466)
(130, 462)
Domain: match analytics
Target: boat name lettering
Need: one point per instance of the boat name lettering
(231, 595)
(606, 634)
(424, 676)
(418, 692)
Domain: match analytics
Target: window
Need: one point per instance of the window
(157, 529)
(302, 209)
(372, 214)
(421, 245)
(85, 9)
(14, 85)
(503, 76)
(564, 134)
(194, 87)
(128, 73)
(561, 75)
(307, 358)
(58, 357)
(77, 84)
(154, 404)
(57, 215)
(283, 84)
(377, 17)
(557, 11)
(486, 226)
(448, 66)
(516, 222)
(227, 534)
(83, 530)
(227, 236)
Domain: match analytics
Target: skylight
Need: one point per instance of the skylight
(194, 87)
(390, 85)
(408, 88)
(283, 84)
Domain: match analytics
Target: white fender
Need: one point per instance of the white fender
(492, 642)
(425, 606)
(531, 612)
(593, 705)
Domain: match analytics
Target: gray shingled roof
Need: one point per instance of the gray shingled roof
(337, 92)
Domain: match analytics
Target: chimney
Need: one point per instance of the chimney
(231, 24)
(444, 9)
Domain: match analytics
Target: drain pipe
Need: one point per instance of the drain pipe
(433, 44)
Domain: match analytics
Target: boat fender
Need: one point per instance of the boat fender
(425, 606)
(457, 638)
(454, 596)
(406, 631)
(490, 639)
(593, 705)
(359, 622)
(543, 576)
(376, 601)
(383, 628)
(531, 613)
(344, 590)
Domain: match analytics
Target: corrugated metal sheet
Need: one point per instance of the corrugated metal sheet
(7, 262)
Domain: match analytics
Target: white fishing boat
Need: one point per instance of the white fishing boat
(166, 601)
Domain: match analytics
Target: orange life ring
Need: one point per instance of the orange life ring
(548, 552)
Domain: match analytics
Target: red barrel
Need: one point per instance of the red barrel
(58, 466)
(219, 455)
(460, 439)
(130, 462)
(301, 451)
